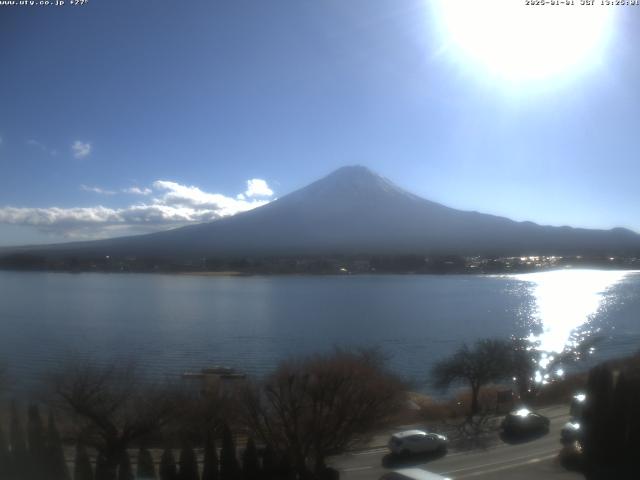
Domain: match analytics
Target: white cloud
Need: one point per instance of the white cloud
(189, 196)
(130, 190)
(171, 204)
(44, 217)
(137, 191)
(80, 149)
(257, 187)
(98, 190)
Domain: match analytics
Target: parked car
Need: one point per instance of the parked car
(412, 474)
(571, 432)
(523, 422)
(577, 405)
(572, 456)
(417, 441)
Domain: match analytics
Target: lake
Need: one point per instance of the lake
(175, 323)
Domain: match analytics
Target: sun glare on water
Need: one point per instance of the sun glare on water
(565, 301)
(519, 42)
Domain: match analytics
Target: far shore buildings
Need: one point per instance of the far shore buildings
(215, 379)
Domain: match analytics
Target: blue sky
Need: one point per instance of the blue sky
(122, 117)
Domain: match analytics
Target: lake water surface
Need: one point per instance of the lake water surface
(173, 323)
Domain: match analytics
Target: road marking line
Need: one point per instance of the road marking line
(508, 460)
(383, 450)
(507, 467)
(355, 469)
(369, 452)
(374, 451)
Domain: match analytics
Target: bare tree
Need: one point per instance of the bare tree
(321, 405)
(204, 412)
(488, 361)
(112, 407)
(210, 467)
(525, 362)
(522, 366)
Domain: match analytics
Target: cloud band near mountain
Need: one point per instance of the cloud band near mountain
(168, 204)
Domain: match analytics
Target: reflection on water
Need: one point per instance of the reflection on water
(177, 323)
(565, 303)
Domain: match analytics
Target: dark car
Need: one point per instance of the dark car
(571, 432)
(523, 422)
(577, 405)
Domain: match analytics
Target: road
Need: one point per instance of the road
(533, 459)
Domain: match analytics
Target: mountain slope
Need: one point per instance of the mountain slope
(351, 211)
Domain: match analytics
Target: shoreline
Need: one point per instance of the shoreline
(236, 273)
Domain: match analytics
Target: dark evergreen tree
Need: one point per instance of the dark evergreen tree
(18, 460)
(228, 460)
(632, 446)
(625, 424)
(285, 468)
(36, 440)
(82, 468)
(611, 423)
(619, 417)
(250, 462)
(146, 469)
(210, 469)
(103, 472)
(269, 463)
(125, 472)
(597, 416)
(56, 463)
(188, 464)
(168, 470)
(4, 455)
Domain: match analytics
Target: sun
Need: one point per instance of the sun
(517, 41)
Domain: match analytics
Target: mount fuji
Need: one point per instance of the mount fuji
(355, 211)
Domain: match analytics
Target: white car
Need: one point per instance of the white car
(412, 474)
(417, 441)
